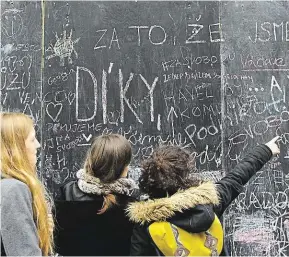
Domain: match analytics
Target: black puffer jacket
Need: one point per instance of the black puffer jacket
(203, 202)
(80, 231)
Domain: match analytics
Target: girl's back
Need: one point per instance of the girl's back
(82, 231)
(90, 218)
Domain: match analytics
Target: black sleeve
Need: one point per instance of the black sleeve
(141, 244)
(232, 184)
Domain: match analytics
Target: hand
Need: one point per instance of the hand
(273, 146)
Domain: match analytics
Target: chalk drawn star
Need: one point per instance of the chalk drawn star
(64, 47)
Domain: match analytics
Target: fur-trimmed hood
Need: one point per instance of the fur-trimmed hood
(164, 208)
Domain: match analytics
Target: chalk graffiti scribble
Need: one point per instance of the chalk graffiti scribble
(64, 47)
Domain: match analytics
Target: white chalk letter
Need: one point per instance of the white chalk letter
(196, 28)
(150, 35)
(217, 32)
(138, 31)
(151, 92)
(123, 97)
(94, 80)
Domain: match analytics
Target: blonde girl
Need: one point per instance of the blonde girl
(26, 225)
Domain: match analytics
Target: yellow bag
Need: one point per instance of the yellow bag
(174, 241)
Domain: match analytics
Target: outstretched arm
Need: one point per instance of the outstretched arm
(233, 183)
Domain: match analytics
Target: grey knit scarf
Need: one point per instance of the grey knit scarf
(92, 185)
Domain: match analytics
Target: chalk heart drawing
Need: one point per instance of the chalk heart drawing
(53, 110)
(64, 47)
(70, 97)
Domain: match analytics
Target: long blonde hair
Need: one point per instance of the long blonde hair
(15, 128)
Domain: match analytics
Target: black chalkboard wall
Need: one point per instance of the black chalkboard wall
(210, 76)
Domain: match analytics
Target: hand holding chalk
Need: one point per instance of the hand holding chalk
(273, 146)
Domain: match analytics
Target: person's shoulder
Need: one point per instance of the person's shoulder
(13, 185)
(67, 188)
(70, 191)
(15, 190)
(70, 184)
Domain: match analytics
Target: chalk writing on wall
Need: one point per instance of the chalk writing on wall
(211, 77)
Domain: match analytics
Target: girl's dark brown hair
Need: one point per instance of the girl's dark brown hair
(106, 160)
(166, 171)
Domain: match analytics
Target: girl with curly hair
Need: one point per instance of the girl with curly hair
(180, 197)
